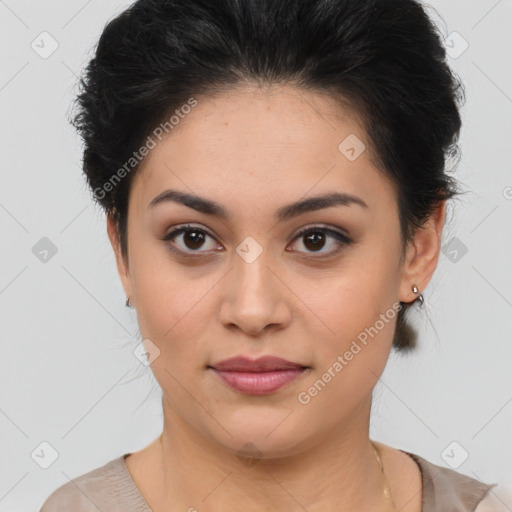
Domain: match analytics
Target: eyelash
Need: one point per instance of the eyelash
(341, 239)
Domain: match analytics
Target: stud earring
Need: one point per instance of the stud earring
(416, 291)
(128, 305)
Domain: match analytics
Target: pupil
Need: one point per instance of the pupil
(196, 240)
(315, 237)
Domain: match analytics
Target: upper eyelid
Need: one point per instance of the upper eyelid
(180, 228)
(319, 227)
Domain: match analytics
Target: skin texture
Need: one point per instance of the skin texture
(253, 151)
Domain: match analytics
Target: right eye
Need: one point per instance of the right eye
(192, 239)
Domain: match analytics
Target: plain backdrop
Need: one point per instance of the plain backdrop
(69, 377)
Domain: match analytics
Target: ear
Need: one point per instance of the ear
(122, 266)
(422, 255)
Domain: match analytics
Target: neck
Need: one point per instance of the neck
(339, 472)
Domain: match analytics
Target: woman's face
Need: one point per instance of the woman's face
(245, 284)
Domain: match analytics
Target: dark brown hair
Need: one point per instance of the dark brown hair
(385, 57)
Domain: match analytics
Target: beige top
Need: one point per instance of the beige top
(110, 488)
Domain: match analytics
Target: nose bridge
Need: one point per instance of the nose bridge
(253, 300)
(251, 273)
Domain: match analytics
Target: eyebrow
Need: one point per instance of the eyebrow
(286, 212)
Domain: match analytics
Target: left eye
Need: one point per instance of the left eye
(314, 239)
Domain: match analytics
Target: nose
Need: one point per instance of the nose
(255, 299)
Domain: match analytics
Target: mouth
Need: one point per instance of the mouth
(257, 377)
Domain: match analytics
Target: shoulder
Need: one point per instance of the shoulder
(445, 488)
(498, 499)
(96, 490)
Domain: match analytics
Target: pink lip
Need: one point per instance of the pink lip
(257, 377)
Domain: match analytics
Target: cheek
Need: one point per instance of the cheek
(170, 299)
(354, 296)
(171, 310)
(349, 362)
(361, 322)
(358, 308)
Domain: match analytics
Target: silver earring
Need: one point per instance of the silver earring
(416, 290)
(128, 305)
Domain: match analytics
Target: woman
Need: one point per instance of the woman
(273, 175)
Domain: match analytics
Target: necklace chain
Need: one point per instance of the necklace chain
(387, 490)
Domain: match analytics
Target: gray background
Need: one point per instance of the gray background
(68, 374)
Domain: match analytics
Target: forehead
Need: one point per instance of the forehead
(260, 144)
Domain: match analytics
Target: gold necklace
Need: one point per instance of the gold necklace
(387, 490)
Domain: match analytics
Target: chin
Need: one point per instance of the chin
(264, 436)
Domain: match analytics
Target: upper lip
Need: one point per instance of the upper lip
(262, 364)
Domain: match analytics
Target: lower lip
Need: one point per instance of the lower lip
(258, 383)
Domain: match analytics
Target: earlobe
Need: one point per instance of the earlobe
(422, 255)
